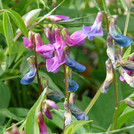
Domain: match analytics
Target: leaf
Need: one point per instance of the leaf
(8, 31)
(6, 113)
(45, 16)
(32, 121)
(124, 5)
(18, 21)
(97, 6)
(127, 53)
(73, 127)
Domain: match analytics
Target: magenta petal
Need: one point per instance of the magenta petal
(57, 18)
(41, 122)
(45, 48)
(58, 37)
(78, 37)
(122, 79)
(48, 114)
(47, 55)
(38, 40)
(27, 44)
(52, 104)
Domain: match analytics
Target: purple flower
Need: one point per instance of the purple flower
(29, 42)
(72, 86)
(76, 39)
(50, 36)
(46, 51)
(57, 18)
(120, 39)
(41, 122)
(49, 103)
(95, 29)
(29, 77)
(128, 72)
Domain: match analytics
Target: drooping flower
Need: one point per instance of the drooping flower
(109, 77)
(67, 114)
(111, 51)
(46, 51)
(50, 36)
(47, 104)
(78, 114)
(57, 18)
(129, 79)
(76, 39)
(29, 42)
(41, 122)
(29, 77)
(95, 29)
(120, 39)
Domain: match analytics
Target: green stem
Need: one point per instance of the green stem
(36, 65)
(126, 23)
(116, 100)
(66, 91)
(93, 100)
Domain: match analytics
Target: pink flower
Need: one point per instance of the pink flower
(57, 18)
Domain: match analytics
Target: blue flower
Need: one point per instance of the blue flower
(95, 29)
(72, 86)
(120, 39)
(78, 114)
(29, 77)
(74, 65)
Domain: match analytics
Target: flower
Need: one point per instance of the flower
(72, 86)
(29, 77)
(76, 39)
(78, 114)
(57, 18)
(120, 39)
(95, 29)
(47, 104)
(29, 42)
(41, 122)
(109, 77)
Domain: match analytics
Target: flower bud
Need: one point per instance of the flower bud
(44, 82)
(72, 99)
(129, 102)
(57, 18)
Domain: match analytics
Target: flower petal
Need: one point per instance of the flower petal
(74, 65)
(72, 86)
(57, 18)
(52, 104)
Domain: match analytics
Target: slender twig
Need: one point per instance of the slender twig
(116, 100)
(36, 65)
(93, 100)
(66, 90)
(126, 23)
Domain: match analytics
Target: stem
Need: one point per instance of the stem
(93, 100)
(36, 65)
(66, 91)
(126, 23)
(116, 99)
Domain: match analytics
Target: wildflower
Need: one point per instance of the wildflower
(109, 77)
(57, 18)
(47, 104)
(95, 29)
(29, 77)
(129, 102)
(50, 36)
(67, 114)
(76, 39)
(72, 98)
(126, 77)
(46, 51)
(120, 39)
(41, 122)
(29, 42)
(111, 51)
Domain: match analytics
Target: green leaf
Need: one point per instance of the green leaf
(8, 31)
(97, 6)
(124, 5)
(18, 21)
(127, 53)
(73, 127)
(32, 121)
